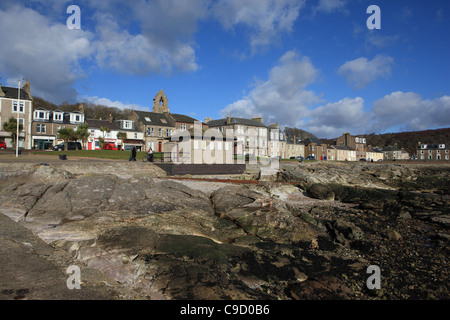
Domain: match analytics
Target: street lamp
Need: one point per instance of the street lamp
(18, 115)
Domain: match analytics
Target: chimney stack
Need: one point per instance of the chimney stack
(2, 94)
(229, 119)
(27, 88)
(259, 119)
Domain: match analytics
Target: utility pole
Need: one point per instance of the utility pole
(18, 115)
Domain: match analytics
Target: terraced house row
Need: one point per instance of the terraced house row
(156, 130)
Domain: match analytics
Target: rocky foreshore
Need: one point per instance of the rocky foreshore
(305, 231)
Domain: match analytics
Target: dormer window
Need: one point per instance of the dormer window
(58, 116)
(41, 115)
(76, 117)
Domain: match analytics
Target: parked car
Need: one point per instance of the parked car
(2, 145)
(70, 146)
(362, 159)
(310, 158)
(300, 158)
(110, 146)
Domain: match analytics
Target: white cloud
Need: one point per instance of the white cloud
(265, 20)
(48, 54)
(408, 111)
(330, 5)
(116, 104)
(360, 72)
(335, 118)
(283, 98)
(137, 54)
(379, 41)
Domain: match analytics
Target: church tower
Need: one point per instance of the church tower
(160, 103)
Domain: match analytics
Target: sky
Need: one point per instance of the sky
(318, 65)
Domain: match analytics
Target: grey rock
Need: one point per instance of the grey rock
(320, 191)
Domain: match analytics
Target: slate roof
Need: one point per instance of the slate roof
(12, 93)
(309, 140)
(156, 119)
(242, 121)
(94, 123)
(183, 118)
(341, 147)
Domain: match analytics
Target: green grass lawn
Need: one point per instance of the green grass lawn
(100, 154)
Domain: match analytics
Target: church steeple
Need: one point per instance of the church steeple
(160, 103)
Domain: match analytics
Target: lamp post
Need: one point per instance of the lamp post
(18, 115)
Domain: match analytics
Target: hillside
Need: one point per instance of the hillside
(409, 140)
(92, 111)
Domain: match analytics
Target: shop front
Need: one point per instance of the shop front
(43, 142)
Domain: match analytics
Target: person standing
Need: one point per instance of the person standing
(150, 154)
(133, 154)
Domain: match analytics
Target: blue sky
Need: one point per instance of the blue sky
(312, 64)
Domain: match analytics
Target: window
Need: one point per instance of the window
(41, 115)
(135, 135)
(21, 107)
(446, 151)
(57, 116)
(160, 132)
(163, 120)
(422, 152)
(148, 119)
(183, 127)
(446, 157)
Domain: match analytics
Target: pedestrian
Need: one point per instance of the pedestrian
(133, 154)
(150, 155)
